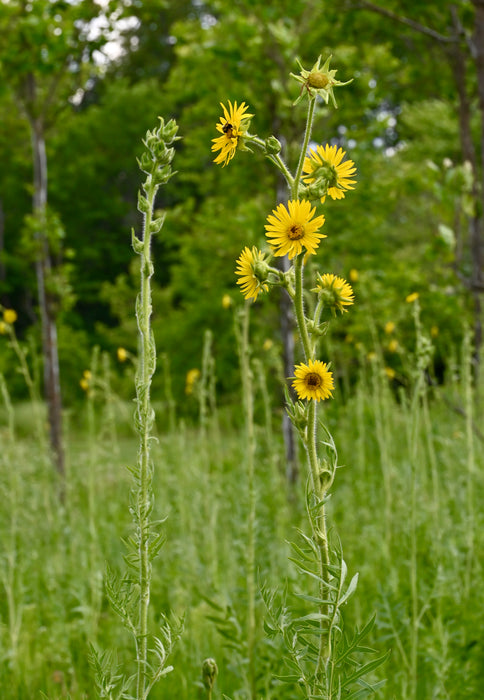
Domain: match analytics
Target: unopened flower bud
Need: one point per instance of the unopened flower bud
(209, 673)
(169, 131)
(272, 145)
(146, 162)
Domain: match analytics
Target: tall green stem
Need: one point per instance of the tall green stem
(307, 136)
(248, 399)
(299, 305)
(147, 363)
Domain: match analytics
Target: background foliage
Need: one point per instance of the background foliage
(397, 120)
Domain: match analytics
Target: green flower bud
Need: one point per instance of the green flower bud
(146, 163)
(209, 673)
(272, 145)
(169, 131)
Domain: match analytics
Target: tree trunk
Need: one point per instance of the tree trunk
(2, 243)
(47, 315)
(476, 242)
(458, 63)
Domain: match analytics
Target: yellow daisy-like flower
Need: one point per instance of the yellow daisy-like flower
(233, 126)
(193, 375)
(84, 384)
(389, 327)
(393, 345)
(293, 229)
(252, 270)
(411, 297)
(122, 354)
(325, 167)
(9, 316)
(337, 292)
(354, 275)
(226, 301)
(390, 372)
(313, 381)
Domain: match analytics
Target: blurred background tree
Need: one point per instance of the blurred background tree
(411, 224)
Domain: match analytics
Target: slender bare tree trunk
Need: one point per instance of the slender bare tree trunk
(47, 315)
(2, 242)
(477, 243)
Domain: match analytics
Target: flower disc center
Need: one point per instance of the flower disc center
(295, 232)
(313, 380)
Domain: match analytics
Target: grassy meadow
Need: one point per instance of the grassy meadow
(407, 505)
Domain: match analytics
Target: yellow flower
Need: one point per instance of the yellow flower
(313, 381)
(193, 375)
(252, 270)
(390, 372)
(353, 275)
(371, 357)
(226, 301)
(84, 384)
(293, 229)
(411, 297)
(122, 354)
(233, 127)
(9, 316)
(337, 292)
(389, 327)
(87, 374)
(434, 331)
(3, 328)
(393, 345)
(268, 343)
(327, 172)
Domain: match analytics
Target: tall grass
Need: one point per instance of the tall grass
(409, 505)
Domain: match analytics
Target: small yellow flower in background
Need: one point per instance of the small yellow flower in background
(193, 375)
(389, 327)
(268, 343)
(87, 374)
(9, 316)
(3, 328)
(337, 292)
(313, 381)
(252, 270)
(393, 345)
(390, 372)
(324, 167)
(411, 297)
(233, 127)
(84, 384)
(122, 354)
(293, 229)
(226, 301)
(371, 357)
(353, 275)
(434, 331)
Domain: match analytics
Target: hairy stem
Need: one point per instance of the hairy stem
(307, 136)
(145, 420)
